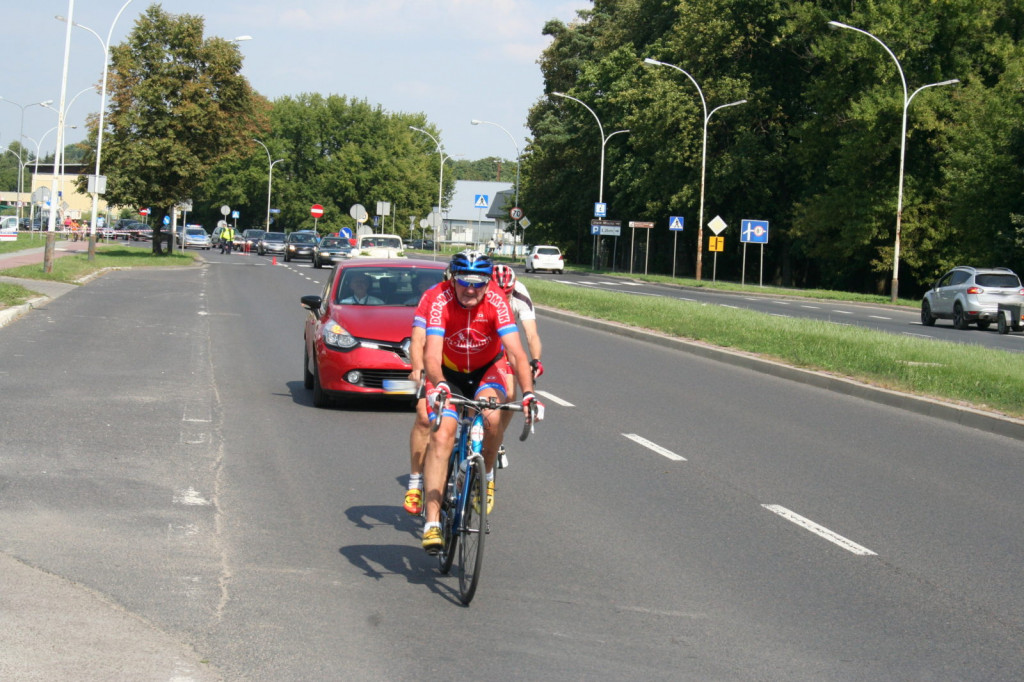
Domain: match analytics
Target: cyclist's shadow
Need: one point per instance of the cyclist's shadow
(380, 560)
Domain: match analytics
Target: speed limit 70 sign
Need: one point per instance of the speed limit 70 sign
(516, 213)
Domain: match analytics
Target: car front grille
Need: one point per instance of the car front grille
(374, 378)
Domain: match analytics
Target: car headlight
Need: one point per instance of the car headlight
(336, 337)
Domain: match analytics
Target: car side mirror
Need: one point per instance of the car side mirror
(312, 302)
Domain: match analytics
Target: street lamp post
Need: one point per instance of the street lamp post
(21, 136)
(440, 182)
(105, 44)
(703, 160)
(478, 122)
(903, 147)
(35, 169)
(270, 177)
(604, 143)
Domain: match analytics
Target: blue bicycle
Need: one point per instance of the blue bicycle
(464, 497)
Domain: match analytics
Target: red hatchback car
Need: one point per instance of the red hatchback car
(357, 331)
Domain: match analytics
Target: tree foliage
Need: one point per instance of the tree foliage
(816, 148)
(336, 152)
(177, 106)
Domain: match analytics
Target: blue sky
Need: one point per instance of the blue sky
(454, 60)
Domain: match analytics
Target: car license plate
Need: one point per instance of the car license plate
(399, 386)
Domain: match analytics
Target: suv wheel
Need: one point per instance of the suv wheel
(927, 319)
(959, 319)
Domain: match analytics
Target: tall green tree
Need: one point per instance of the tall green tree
(177, 105)
(815, 149)
(336, 152)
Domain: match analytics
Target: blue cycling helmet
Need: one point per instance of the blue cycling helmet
(471, 266)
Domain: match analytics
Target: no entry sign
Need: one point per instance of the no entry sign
(317, 211)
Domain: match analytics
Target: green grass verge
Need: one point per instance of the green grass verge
(72, 268)
(985, 378)
(13, 294)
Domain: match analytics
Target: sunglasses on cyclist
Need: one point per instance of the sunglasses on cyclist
(470, 285)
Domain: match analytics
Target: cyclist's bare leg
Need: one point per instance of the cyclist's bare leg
(494, 428)
(435, 467)
(419, 437)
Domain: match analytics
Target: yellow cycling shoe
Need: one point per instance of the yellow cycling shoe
(414, 501)
(490, 499)
(433, 541)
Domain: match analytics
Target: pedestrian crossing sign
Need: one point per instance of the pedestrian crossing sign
(676, 223)
(482, 201)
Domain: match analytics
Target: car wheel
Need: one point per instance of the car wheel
(307, 376)
(959, 319)
(320, 398)
(927, 319)
(1001, 325)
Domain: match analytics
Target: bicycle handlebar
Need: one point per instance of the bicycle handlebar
(490, 403)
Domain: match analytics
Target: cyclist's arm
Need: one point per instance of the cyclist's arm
(520, 363)
(417, 340)
(532, 338)
(432, 358)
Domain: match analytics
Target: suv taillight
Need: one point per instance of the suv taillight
(975, 290)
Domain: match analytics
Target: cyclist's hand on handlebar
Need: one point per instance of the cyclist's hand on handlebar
(537, 367)
(532, 408)
(439, 395)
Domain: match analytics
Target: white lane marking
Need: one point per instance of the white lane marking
(190, 496)
(811, 307)
(781, 302)
(654, 447)
(821, 531)
(555, 399)
(843, 312)
(879, 317)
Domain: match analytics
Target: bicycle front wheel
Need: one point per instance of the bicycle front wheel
(472, 530)
(451, 538)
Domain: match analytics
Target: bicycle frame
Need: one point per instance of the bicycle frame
(463, 524)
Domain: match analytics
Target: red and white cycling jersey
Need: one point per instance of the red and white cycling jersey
(472, 336)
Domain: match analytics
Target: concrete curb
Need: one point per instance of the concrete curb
(963, 415)
(8, 315)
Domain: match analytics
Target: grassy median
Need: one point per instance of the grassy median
(985, 378)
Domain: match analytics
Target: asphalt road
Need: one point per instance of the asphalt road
(674, 517)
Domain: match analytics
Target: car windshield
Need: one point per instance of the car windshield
(381, 242)
(388, 286)
(196, 232)
(302, 238)
(273, 237)
(332, 241)
(1005, 280)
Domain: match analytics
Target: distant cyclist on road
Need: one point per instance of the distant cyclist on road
(470, 328)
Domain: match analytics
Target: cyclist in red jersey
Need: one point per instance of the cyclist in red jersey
(470, 328)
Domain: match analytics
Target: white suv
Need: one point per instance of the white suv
(545, 257)
(967, 295)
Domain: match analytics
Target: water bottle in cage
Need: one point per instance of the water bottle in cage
(460, 479)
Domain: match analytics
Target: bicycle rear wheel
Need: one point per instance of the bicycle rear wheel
(472, 530)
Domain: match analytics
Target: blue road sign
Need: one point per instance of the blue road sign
(167, 220)
(676, 223)
(754, 231)
(345, 232)
(481, 201)
(600, 209)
